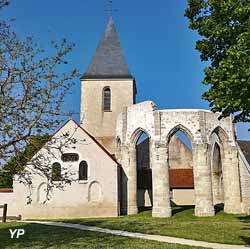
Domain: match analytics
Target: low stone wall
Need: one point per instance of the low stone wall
(67, 211)
(183, 196)
(6, 196)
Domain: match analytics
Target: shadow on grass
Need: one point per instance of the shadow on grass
(35, 235)
(142, 209)
(179, 209)
(42, 237)
(246, 221)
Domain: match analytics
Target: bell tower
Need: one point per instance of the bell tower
(106, 88)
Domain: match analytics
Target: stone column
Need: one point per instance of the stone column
(160, 182)
(132, 182)
(202, 181)
(124, 161)
(232, 191)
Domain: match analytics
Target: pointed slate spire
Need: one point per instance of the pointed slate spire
(109, 60)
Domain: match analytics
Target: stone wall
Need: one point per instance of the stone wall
(101, 124)
(199, 126)
(96, 196)
(183, 196)
(180, 156)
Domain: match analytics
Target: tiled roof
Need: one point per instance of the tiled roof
(92, 137)
(6, 190)
(109, 60)
(181, 178)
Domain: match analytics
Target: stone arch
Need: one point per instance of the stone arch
(221, 134)
(41, 193)
(95, 192)
(138, 194)
(180, 163)
(218, 144)
(183, 129)
(136, 135)
(144, 171)
(217, 174)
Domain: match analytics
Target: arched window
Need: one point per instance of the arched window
(83, 171)
(56, 172)
(106, 99)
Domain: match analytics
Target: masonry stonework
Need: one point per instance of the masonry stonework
(204, 129)
(101, 124)
(221, 170)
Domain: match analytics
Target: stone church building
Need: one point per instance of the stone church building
(125, 156)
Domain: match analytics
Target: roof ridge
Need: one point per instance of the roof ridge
(94, 139)
(109, 60)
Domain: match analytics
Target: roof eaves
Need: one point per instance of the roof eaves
(97, 77)
(100, 145)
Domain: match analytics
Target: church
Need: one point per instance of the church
(124, 156)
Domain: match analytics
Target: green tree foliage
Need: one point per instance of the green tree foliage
(16, 164)
(224, 27)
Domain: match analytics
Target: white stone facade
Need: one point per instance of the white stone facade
(109, 190)
(95, 197)
(204, 129)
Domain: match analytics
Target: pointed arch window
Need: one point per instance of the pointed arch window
(83, 171)
(106, 99)
(56, 172)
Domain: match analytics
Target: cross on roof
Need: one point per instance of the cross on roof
(109, 8)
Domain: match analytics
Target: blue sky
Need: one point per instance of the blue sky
(158, 45)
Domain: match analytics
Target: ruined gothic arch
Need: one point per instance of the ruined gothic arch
(136, 135)
(219, 136)
(217, 175)
(183, 129)
(180, 162)
(218, 143)
(141, 166)
(173, 132)
(197, 125)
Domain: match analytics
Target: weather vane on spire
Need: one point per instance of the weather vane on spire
(109, 8)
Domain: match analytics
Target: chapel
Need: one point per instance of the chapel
(124, 156)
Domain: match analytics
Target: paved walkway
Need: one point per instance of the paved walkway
(160, 238)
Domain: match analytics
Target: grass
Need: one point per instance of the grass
(41, 236)
(222, 228)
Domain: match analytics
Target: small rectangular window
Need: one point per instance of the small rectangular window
(70, 157)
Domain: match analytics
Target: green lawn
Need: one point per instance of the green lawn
(43, 237)
(222, 228)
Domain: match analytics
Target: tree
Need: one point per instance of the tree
(32, 91)
(224, 27)
(17, 164)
